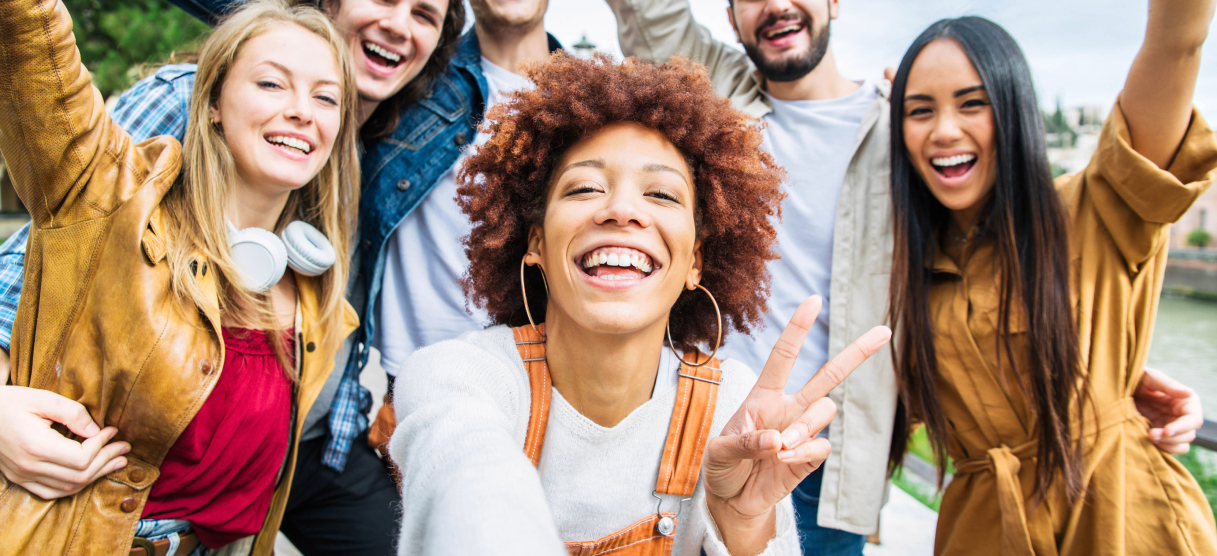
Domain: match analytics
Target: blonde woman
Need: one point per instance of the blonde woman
(202, 358)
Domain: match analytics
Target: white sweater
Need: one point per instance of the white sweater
(467, 487)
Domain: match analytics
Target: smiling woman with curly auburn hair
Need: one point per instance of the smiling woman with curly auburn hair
(642, 201)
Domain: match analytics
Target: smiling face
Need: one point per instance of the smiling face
(391, 40)
(785, 39)
(618, 242)
(279, 108)
(949, 129)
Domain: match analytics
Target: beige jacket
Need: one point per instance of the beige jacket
(855, 475)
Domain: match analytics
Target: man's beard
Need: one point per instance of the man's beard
(790, 69)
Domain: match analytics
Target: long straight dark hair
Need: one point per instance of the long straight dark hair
(1026, 218)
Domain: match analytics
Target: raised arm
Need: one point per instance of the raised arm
(1157, 98)
(53, 125)
(656, 30)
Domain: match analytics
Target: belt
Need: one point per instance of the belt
(144, 547)
(1005, 463)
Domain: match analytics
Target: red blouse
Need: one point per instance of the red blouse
(221, 473)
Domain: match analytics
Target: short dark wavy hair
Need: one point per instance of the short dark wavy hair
(503, 186)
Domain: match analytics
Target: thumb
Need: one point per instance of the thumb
(53, 407)
(1154, 380)
(727, 450)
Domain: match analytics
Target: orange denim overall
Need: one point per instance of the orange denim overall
(697, 391)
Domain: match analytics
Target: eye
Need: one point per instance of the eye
(582, 189)
(663, 196)
(328, 99)
(268, 85)
(974, 103)
(919, 111)
(427, 17)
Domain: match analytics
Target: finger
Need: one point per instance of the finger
(1155, 381)
(1182, 438)
(786, 351)
(889, 73)
(809, 424)
(1188, 422)
(752, 445)
(836, 369)
(814, 452)
(1176, 449)
(93, 446)
(59, 409)
(43, 491)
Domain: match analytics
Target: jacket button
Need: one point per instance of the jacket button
(459, 139)
(206, 367)
(128, 505)
(403, 185)
(137, 475)
(310, 347)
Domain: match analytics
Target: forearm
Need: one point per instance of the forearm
(1157, 96)
(49, 111)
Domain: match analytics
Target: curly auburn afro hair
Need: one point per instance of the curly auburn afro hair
(503, 187)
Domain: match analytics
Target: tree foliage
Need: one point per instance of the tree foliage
(118, 38)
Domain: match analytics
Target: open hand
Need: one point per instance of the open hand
(44, 462)
(1172, 408)
(770, 444)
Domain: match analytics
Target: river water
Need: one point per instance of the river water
(1185, 347)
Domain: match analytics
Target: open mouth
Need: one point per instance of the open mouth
(781, 31)
(953, 166)
(380, 55)
(292, 143)
(616, 263)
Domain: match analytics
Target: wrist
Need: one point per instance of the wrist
(742, 533)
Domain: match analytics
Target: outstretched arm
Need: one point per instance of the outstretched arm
(1157, 97)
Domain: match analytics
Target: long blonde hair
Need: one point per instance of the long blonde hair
(196, 203)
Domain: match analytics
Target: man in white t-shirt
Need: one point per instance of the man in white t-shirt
(831, 135)
(421, 301)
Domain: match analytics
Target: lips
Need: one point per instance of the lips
(381, 56)
(779, 29)
(953, 166)
(616, 263)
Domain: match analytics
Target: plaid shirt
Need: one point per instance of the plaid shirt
(158, 105)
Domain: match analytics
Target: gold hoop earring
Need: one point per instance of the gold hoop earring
(717, 343)
(524, 292)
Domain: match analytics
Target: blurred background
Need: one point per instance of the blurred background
(1079, 52)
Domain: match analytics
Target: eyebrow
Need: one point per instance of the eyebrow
(656, 167)
(284, 69)
(428, 6)
(959, 93)
(596, 163)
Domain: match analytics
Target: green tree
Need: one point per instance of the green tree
(117, 38)
(1199, 238)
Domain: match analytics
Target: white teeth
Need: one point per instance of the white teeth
(956, 160)
(376, 49)
(605, 257)
(777, 32)
(292, 142)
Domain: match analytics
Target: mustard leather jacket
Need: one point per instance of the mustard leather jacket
(99, 323)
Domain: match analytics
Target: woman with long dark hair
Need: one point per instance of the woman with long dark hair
(1024, 307)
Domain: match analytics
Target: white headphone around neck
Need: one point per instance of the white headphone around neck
(262, 257)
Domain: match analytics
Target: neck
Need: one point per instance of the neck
(604, 376)
(366, 108)
(509, 47)
(825, 82)
(248, 208)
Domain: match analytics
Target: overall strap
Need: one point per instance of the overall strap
(532, 350)
(692, 414)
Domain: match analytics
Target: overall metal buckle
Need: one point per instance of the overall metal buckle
(667, 524)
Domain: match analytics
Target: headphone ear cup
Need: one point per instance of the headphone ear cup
(309, 252)
(259, 256)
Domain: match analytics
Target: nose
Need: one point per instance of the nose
(300, 108)
(623, 209)
(946, 129)
(777, 8)
(396, 22)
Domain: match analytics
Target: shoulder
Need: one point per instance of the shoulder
(489, 351)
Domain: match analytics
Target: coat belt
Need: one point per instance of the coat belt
(1005, 462)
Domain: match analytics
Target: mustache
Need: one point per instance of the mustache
(775, 19)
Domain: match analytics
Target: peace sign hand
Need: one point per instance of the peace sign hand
(770, 444)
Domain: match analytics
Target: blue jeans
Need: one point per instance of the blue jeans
(160, 529)
(816, 540)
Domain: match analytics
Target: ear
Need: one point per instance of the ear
(834, 8)
(213, 114)
(731, 18)
(694, 277)
(536, 246)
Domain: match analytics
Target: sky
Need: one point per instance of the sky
(1079, 50)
